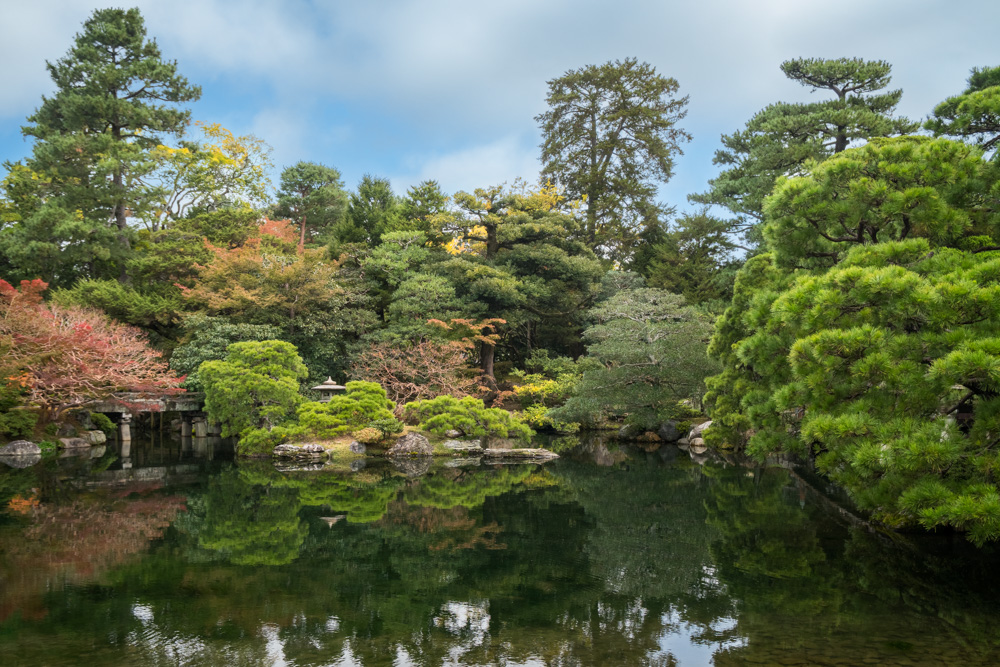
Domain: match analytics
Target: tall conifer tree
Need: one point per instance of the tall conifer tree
(115, 99)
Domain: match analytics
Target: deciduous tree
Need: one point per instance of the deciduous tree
(68, 356)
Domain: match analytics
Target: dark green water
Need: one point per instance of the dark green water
(604, 557)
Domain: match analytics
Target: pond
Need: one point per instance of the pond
(610, 555)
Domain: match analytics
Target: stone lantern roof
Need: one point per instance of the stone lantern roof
(327, 388)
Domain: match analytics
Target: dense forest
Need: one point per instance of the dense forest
(848, 259)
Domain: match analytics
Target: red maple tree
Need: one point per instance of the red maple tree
(65, 357)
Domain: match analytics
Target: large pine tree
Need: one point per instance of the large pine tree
(779, 139)
(116, 98)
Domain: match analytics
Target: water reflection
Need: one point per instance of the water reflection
(610, 555)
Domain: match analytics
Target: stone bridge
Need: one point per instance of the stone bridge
(190, 406)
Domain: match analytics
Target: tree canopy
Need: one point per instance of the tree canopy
(609, 137)
(116, 98)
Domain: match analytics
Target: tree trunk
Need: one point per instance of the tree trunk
(302, 235)
(486, 354)
(121, 221)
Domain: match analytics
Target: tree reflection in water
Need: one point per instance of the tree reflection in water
(646, 558)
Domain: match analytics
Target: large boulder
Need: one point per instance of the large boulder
(668, 432)
(20, 448)
(453, 433)
(73, 443)
(697, 430)
(411, 444)
(95, 437)
(463, 445)
(356, 447)
(630, 432)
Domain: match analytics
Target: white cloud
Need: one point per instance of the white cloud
(454, 74)
(478, 166)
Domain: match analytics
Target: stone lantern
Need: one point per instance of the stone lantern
(327, 388)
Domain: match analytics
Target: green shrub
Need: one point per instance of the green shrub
(537, 416)
(17, 424)
(387, 427)
(369, 436)
(362, 404)
(469, 415)
(262, 441)
(255, 388)
(103, 422)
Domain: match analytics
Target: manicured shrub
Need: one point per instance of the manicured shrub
(361, 404)
(468, 415)
(369, 436)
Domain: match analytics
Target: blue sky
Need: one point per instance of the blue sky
(449, 90)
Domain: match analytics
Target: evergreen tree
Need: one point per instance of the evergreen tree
(975, 114)
(781, 138)
(651, 349)
(312, 196)
(115, 100)
(610, 137)
(374, 210)
(878, 358)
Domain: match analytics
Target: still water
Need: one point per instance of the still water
(177, 555)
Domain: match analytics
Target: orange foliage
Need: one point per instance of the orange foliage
(22, 505)
(263, 280)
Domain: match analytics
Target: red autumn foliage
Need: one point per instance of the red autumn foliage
(68, 356)
(423, 370)
(431, 368)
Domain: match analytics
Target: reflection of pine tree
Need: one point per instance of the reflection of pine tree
(254, 523)
(649, 538)
(769, 565)
(467, 488)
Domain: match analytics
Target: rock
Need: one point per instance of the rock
(22, 461)
(66, 431)
(20, 448)
(493, 442)
(357, 465)
(683, 442)
(698, 446)
(357, 448)
(413, 466)
(536, 454)
(668, 432)
(630, 432)
(461, 463)
(697, 430)
(411, 444)
(83, 418)
(296, 466)
(453, 434)
(73, 443)
(95, 437)
(300, 451)
(463, 446)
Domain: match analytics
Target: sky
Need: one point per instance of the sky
(449, 90)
